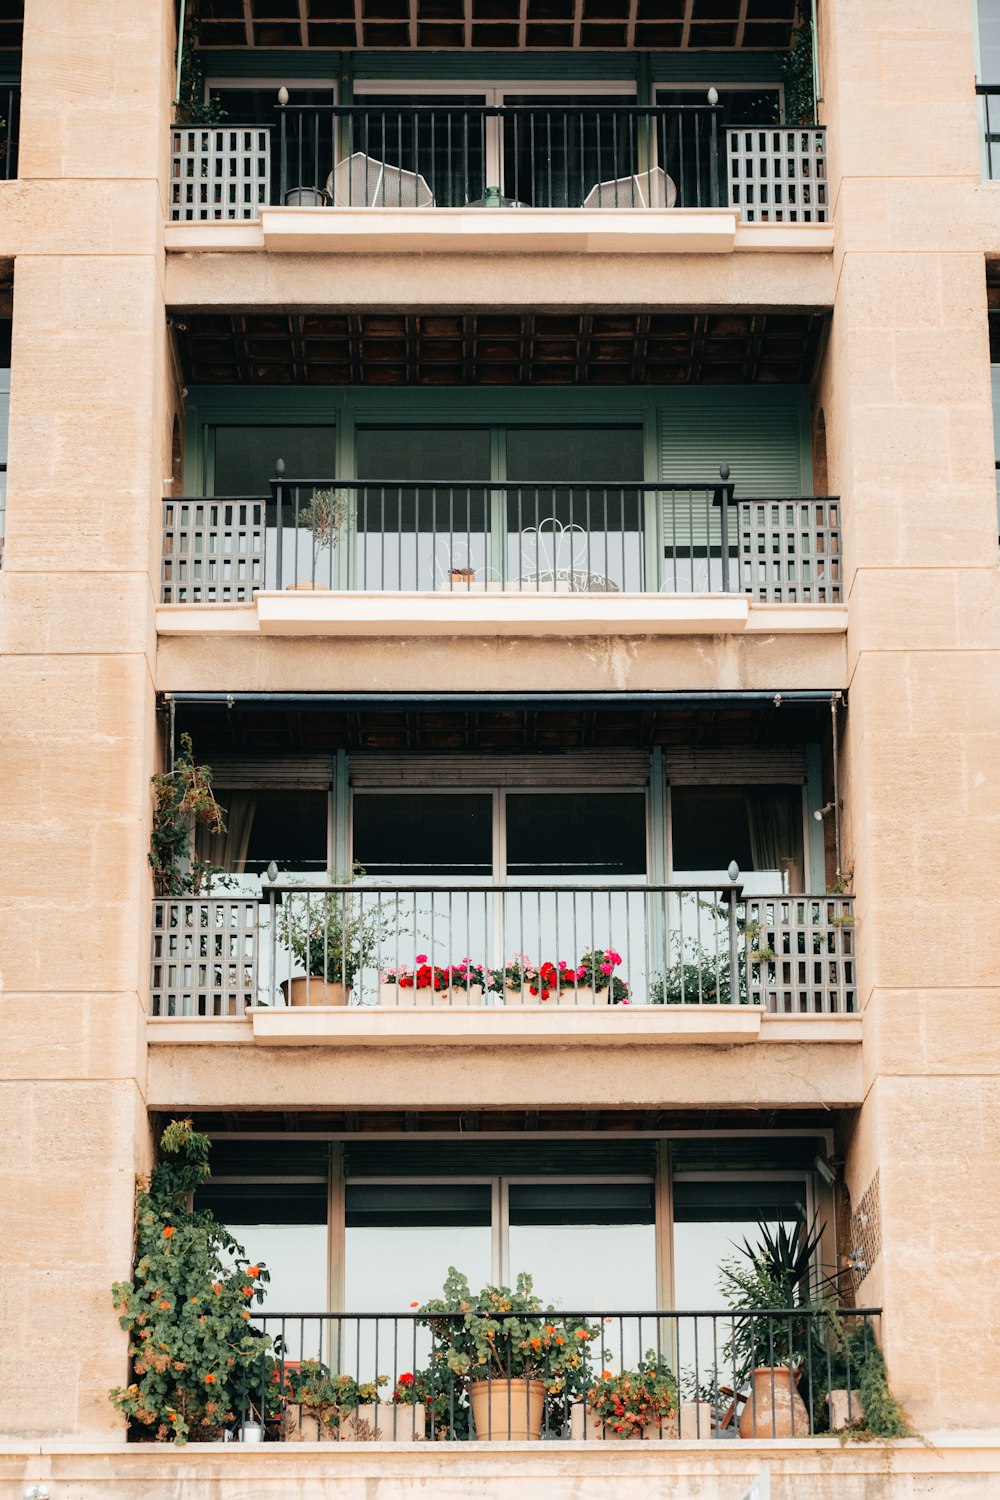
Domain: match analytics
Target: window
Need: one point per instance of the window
(245, 457)
(428, 834)
(288, 827)
(760, 827)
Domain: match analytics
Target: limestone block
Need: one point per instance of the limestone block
(81, 218)
(72, 1037)
(87, 614)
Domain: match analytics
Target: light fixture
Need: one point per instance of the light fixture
(36, 1492)
(825, 1170)
(822, 812)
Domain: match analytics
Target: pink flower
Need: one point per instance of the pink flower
(581, 972)
(562, 963)
(612, 957)
(421, 958)
(606, 968)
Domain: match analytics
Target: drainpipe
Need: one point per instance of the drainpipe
(180, 50)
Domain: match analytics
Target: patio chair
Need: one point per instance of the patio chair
(361, 181)
(652, 189)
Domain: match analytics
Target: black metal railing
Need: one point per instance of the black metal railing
(514, 537)
(761, 1373)
(10, 123)
(989, 93)
(415, 946)
(537, 156)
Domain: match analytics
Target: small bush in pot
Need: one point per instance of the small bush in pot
(638, 1403)
(333, 935)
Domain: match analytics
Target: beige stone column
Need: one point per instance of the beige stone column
(89, 444)
(905, 393)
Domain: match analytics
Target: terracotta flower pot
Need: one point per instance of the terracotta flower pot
(315, 991)
(463, 575)
(774, 1408)
(318, 588)
(584, 1425)
(507, 1410)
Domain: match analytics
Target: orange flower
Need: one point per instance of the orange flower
(168, 1231)
(536, 1343)
(582, 1333)
(248, 1291)
(209, 1379)
(245, 1315)
(559, 1338)
(192, 1299)
(253, 1270)
(165, 1306)
(550, 1328)
(217, 1287)
(414, 1304)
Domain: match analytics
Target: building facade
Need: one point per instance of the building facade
(540, 455)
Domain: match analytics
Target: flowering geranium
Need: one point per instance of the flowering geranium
(596, 971)
(523, 974)
(427, 976)
(628, 1403)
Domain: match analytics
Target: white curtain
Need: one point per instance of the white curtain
(775, 837)
(229, 850)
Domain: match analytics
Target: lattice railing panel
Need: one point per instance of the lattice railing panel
(789, 550)
(219, 171)
(777, 174)
(213, 551)
(204, 956)
(800, 954)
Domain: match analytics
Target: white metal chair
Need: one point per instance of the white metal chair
(567, 550)
(361, 181)
(652, 189)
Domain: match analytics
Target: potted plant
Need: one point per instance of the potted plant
(511, 1351)
(196, 1364)
(323, 1407)
(522, 982)
(593, 981)
(429, 984)
(326, 515)
(638, 1403)
(765, 1348)
(332, 935)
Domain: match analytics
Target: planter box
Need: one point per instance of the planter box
(393, 995)
(387, 1421)
(845, 1412)
(585, 1426)
(582, 996)
(695, 1420)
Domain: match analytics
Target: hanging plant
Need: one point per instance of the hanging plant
(184, 802)
(798, 77)
(192, 106)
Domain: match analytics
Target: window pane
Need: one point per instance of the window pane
(575, 1241)
(989, 41)
(400, 1241)
(556, 149)
(587, 454)
(245, 456)
(424, 834)
(760, 827)
(423, 453)
(592, 834)
(442, 139)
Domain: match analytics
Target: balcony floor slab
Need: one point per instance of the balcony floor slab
(468, 613)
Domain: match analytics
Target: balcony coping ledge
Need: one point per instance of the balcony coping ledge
(518, 1026)
(465, 613)
(520, 231)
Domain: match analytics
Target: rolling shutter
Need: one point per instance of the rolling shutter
(591, 768)
(760, 439)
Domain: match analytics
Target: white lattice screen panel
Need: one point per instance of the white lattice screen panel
(777, 174)
(219, 172)
(213, 551)
(800, 954)
(789, 550)
(204, 956)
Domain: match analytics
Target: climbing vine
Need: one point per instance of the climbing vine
(184, 801)
(798, 77)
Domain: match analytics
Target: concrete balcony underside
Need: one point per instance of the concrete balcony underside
(947, 1465)
(742, 1059)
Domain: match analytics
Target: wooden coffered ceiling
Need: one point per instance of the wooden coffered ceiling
(606, 25)
(499, 349)
(262, 731)
(11, 22)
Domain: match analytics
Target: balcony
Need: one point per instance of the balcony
(320, 960)
(339, 1377)
(512, 157)
(473, 552)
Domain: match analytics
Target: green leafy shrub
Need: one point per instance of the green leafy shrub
(186, 1310)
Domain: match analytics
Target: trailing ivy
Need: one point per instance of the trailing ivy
(883, 1415)
(798, 77)
(186, 1310)
(184, 800)
(192, 106)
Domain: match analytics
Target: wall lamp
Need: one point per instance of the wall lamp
(825, 1170)
(825, 810)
